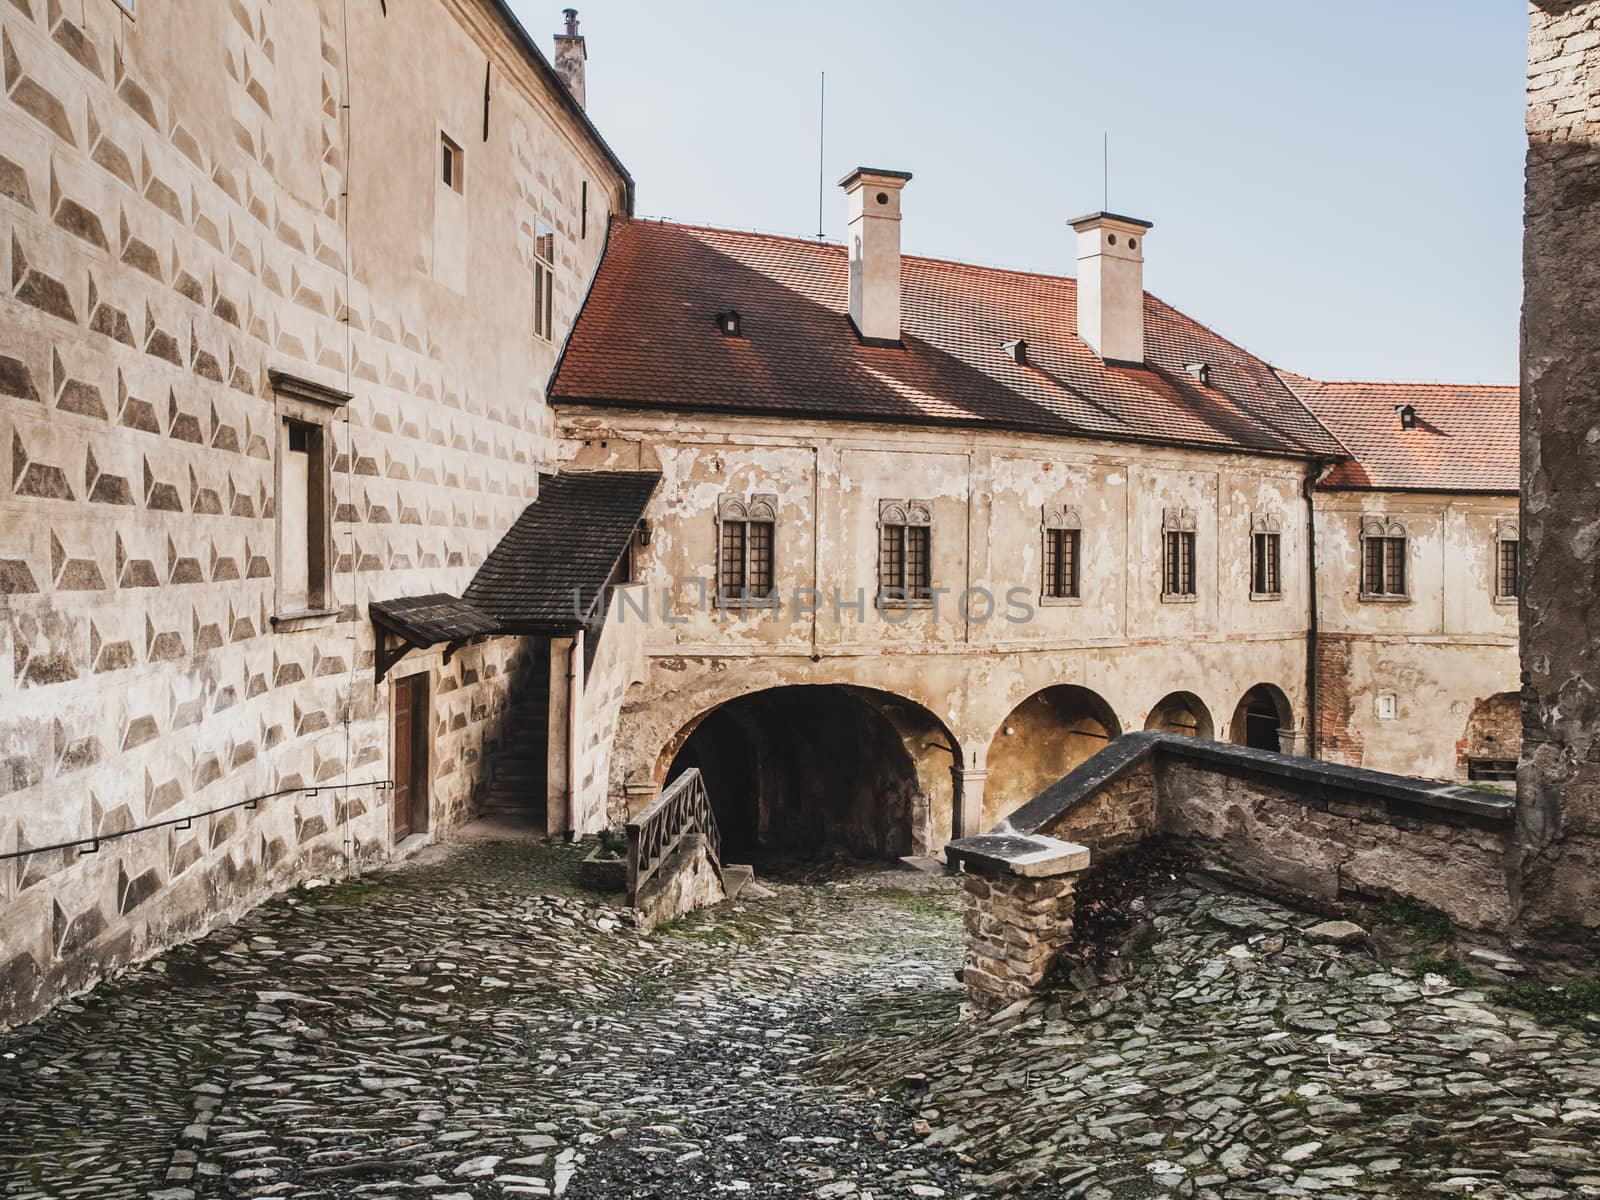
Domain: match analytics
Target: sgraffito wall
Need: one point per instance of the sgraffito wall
(192, 200)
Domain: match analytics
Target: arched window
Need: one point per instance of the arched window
(746, 537)
(1507, 562)
(1384, 573)
(1178, 551)
(1266, 557)
(1063, 542)
(905, 551)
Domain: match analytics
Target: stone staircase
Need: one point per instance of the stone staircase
(517, 772)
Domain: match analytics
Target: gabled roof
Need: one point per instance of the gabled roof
(1466, 437)
(550, 569)
(647, 337)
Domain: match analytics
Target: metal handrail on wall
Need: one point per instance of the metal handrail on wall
(683, 808)
(92, 843)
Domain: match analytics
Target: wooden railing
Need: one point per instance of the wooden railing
(683, 808)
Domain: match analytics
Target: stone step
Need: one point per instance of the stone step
(923, 863)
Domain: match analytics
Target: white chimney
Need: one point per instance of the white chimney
(874, 234)
(571, 56)
(1111, 285)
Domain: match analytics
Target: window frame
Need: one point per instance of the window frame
(317, 408)
(905, 515)
(450, 151)
(544, 274)
(1065, 520)
(1266, 528)
(1506, 533)
(1384, 532)
(1179, 523)
(746, 511)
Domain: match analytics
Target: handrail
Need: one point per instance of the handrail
(95, 840)
(683, 808)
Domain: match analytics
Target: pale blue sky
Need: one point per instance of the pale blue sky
(1335, 186)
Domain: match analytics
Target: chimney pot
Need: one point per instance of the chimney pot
(571, 14)
(873, 197)
(1111, 285)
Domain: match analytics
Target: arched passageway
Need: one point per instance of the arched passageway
(1183, 713)
(1262, 714)
(1492, 741)
(798, 771)
(1047, 735)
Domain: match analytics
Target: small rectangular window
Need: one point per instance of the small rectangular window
(452, 165)
(905, 551)
(1061, 564)
(1486, 770)
(583, 210)
(302, 519)
(544, 260)
(1508, 555)
(1265, 565)
(1179, 565)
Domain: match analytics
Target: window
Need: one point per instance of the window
(303, 505)
(544, 273)
(1177, 568)
(583, 210)
(746, 541)
(1507, 562)
(1062, 542)
(452, 165)
(905, 551)
(1266, 557)
(1383, 559)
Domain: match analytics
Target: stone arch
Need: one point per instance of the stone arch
(1491, 744)
(1261, 716)
(801, 769)
(1040, 740)
(1182, 713)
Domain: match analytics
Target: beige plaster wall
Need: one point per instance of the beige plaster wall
(1445, 648)
(1122, 642)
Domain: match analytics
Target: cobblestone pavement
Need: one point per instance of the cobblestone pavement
(475, 1026)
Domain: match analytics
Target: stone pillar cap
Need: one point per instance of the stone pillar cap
(1032, 856)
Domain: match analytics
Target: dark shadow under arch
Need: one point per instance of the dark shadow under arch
(816, 768)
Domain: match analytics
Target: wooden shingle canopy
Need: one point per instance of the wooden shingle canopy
(547, 576)
(417, 622)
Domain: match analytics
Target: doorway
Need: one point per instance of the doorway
(410, 756)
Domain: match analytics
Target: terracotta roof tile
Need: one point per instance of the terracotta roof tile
(1466, 438)
(647, 337)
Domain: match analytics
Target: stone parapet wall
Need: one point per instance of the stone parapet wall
(1116, 816)
(1331, 843)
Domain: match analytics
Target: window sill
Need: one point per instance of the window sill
(1060, 601)
(312, 618)
(901, 603)
(1384, 598)
(1266, 595)
(1507, 601)
(1179, 597)
(755, 604)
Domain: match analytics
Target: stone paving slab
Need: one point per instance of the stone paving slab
(475, 1026)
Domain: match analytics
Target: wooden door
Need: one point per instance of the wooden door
(410, 755)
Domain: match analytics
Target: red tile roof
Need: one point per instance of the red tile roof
(1465, 438)
(647, 337)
